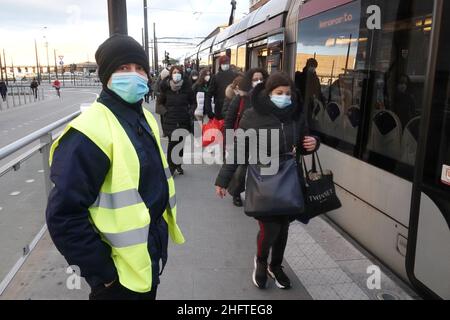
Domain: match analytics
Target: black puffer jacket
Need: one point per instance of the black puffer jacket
(217, 88)
(263, 114)
(179, 106)
(232, 114)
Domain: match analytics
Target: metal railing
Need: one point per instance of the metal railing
(45, 138)
(18, 95)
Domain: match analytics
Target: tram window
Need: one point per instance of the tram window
(398, 63)
(203, 58)
(328, 75)
(242, 57)
(275, 53)
(233, 55)
(258, 57)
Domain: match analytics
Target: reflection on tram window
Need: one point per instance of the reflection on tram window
(275, 53)
(370, 77)
(399, 61)
(326, 64)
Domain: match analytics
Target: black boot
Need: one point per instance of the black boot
(237, 201)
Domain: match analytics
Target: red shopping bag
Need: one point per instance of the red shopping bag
(216, 135)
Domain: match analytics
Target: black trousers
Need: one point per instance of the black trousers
(171, 158)
(273, 234)
(118, 292)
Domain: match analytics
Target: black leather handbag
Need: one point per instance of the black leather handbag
(274, 195)
(320, 192)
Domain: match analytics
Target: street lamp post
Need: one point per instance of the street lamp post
(6, 70)
(38, 71)
(117, 15)
(1, 67)
(146, 30)
(48, 61)
(56, 65)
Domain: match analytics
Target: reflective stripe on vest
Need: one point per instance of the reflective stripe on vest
(117, 200)
(128, 238)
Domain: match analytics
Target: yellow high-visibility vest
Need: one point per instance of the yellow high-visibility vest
(119, 214)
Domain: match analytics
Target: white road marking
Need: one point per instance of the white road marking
(41, 171)
(15, 193)
(30, 181)
(1, 208)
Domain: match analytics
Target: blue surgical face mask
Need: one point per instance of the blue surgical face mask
(130, 86)
(176, 77)
(225, 67)
(282, 101)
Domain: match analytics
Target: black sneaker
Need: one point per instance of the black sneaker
(260, 274)
(180, 170)
(281, 279)
(237, 201)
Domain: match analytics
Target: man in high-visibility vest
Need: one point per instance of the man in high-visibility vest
(113, 204)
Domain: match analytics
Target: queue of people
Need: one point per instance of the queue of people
(109, 167)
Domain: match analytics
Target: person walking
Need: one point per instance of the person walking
(159, 107)
(113, 202)
(241, 102)
(200, 89)
(3, 90)
(57, 86)
(178, 99)
(34, 88)
(219, 84)
(275, 106)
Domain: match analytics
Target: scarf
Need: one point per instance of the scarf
(176, 86)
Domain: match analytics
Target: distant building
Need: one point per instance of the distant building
(255, 4)
(86, 67)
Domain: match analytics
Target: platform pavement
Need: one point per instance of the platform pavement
(216, 262)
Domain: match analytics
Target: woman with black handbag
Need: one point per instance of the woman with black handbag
(275, 106)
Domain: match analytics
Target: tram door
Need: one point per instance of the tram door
(428, 256)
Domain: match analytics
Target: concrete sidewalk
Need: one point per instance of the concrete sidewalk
(216, 262)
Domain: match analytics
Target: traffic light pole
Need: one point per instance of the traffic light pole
(155, 48)
(1, 67)
(117, 15)
(146, 31)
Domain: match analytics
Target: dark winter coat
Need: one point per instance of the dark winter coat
(179, 106)
(217, 88)
(3, 88)
(232, 114)
(263, 114)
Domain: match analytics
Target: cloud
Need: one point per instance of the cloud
(76, 28)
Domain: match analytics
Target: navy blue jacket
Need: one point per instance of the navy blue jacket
(78, 171)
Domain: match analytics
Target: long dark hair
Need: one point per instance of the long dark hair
(179, 68)
(249, 77)
(201, 79)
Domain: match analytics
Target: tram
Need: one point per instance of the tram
(382, 113)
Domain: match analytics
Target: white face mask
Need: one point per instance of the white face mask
(255, 83)
(194, 78)
(225, 67)
(207, 78)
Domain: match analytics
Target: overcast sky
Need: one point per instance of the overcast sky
(76, 28)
